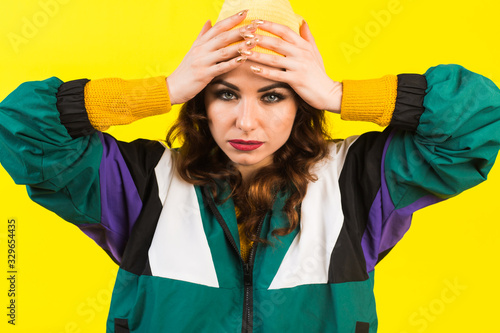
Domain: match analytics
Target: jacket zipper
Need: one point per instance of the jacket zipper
(248, 280)
(247, 322)
(247, 306)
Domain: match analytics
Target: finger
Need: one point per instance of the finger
(224, 39)
(226, 66)
(271, 74)
(228, 53)
(224, 25)
(228, 37)
(305, 32)
(278, 45)
(246, 32)
(205, 28)
(272, 60)
(225, 44)
(282, 31)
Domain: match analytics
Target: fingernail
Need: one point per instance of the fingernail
(243, 12)
(249, 28)
(247, 35)
(252, 42)
(245, 52)
(256, 69)
(258, 22)
(241, 59)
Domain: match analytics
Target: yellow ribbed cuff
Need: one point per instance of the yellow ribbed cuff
(114, 101)
(369, 100)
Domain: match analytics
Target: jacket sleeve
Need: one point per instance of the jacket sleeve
(50, 142)
(443, 138)
(455, 140)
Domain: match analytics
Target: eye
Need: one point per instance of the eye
(273, 97)
(225, 95)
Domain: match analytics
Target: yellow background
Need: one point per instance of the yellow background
(64, 280)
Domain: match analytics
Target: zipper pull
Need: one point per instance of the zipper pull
(247, 275)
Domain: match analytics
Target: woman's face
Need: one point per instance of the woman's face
(250, 117)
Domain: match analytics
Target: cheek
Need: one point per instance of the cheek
(213, 113)
(219, 120)
(281, 122)
(214, 109)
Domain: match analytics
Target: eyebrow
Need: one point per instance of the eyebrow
(266, 88)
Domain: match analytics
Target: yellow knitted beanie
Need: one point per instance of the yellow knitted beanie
(279, 11)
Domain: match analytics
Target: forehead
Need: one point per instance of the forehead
(243, 75)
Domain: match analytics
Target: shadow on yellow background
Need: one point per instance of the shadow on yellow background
(442, 277)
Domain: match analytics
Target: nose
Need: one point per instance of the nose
(247, 116)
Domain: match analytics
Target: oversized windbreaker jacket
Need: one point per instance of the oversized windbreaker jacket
(179, 251)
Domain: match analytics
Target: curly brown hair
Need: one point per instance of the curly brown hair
(201, 162)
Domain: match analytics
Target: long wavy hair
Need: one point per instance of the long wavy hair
(201, 162)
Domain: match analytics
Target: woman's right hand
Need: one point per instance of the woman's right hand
(208, 57)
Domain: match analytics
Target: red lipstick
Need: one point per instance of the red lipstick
(245, 145)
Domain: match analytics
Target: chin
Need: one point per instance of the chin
(245, 161)
(249, 161)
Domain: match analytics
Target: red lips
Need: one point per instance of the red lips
(245, 145)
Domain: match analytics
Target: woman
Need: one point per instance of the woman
(257, 222)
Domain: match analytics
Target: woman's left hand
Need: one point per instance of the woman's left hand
(304, 69)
